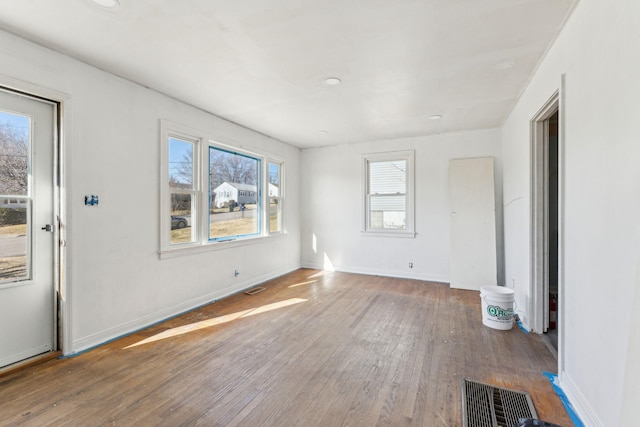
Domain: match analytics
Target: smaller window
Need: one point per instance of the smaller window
(276, 197)
(183, 189)
(388, 184)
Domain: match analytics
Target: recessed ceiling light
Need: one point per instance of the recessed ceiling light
(110, 4)
(332, 81)
(323, 132)
(435, 117)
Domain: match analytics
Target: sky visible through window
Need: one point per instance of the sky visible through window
(180, 153)
(15, 121)
(274, 177)
(180, 161)
(14, 153)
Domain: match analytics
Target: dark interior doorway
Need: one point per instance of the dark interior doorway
(552, 126)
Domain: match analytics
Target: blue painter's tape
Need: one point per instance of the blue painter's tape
(522, 328)
(553, 378)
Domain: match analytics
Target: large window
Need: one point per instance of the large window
(389, 194)
(234, 199)
(214, 193)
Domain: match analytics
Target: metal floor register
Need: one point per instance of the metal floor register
(484, 405)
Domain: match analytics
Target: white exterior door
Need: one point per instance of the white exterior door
(27, 228)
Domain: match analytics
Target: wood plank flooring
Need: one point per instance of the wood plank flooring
(313, 349)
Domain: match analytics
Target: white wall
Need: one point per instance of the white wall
(332, 209)
(116, 281)
(599, 55)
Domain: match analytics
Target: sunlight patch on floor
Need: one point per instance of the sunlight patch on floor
(303, 283)
(180, 330)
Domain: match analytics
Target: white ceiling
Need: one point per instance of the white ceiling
(261, 63)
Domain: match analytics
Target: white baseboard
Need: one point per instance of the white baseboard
(582, 408)
(380, 272)
(123, 329)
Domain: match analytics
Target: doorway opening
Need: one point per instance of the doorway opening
(546, 207)
(551, 230)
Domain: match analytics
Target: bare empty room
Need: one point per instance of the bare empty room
(366, 169)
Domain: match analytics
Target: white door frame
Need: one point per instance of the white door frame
(62, 106)
(539, 285)
(539, 214)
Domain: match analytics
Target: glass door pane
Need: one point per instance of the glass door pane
(15, 202)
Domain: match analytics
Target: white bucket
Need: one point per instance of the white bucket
(497, 307)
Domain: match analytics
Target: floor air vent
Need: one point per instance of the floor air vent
(484, 405)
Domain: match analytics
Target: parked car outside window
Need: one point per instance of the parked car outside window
(178, 222)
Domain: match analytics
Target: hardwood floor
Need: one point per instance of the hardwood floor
(313, 349)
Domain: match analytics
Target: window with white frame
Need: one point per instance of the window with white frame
(183, 188)
(234, 204)
(388, 203)
(276, 196)
(213, 193)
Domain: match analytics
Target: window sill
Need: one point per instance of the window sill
(216, 246)
(389, 233)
